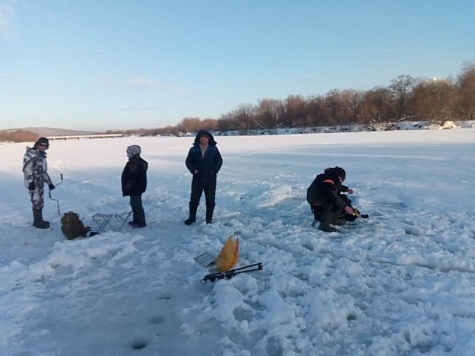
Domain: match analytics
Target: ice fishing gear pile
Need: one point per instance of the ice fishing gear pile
(226, 260)
(232, 272)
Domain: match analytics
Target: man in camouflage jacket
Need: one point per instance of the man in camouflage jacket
(35, 170)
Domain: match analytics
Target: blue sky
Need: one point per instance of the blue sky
(98, 65)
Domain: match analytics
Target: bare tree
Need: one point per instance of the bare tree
(401, 89)
(294, 111)
(209, 124)
(334, 107)
(268, 113)
(316, 111)
(433, 99)
(190, 124)
(351, 101)
(375, 106)
(242, 118)
(466, 83)
(225, 124)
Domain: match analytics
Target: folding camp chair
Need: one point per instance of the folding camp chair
(115, 222)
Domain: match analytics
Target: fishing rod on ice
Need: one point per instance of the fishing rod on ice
(56, 200)
(232, 272)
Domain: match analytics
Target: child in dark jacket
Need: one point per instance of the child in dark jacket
(134, 184)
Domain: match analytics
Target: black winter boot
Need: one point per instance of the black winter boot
(209, 214)
(38, 221)
(327, 228)
(192, 217)
(325, 221)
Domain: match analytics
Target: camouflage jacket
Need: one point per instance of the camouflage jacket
(35, 168)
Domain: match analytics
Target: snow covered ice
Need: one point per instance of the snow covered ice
(400, 282)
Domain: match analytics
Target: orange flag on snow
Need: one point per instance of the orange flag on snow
(229, 255)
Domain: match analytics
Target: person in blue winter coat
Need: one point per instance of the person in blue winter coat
(204, 162)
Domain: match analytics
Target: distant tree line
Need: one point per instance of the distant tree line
(17, 136)
(406, 98)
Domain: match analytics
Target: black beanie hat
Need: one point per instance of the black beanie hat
(42, 141)
(339, 172)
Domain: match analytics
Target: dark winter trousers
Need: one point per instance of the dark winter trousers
(197, 188)
(317, 211)
(137, 209)
(330, 215)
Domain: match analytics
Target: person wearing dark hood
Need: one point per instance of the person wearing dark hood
(134, 184)
(35, 171)
(325, 198)
(204, 162)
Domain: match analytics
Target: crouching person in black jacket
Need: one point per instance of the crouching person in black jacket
(204, 162)
(134, 184)
(326, 201)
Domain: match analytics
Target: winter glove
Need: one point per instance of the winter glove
(31, 186)
(51, 187)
